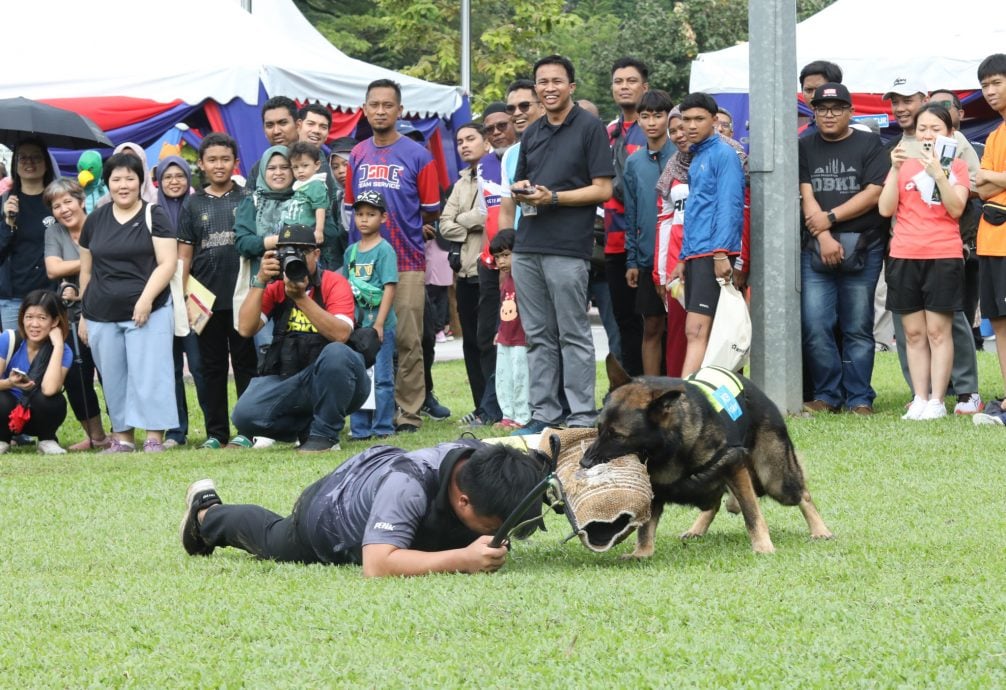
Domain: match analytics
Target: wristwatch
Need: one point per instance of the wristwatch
(831, 217)
(256, 283)
(555, 198)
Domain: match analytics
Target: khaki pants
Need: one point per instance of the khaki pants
(410, 384)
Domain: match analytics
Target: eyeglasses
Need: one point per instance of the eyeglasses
(498, 127)
(172, 177)
(30, 158)
(831, 109)
(523, 106)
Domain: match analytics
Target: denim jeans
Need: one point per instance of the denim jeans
(9, 309)
(381, 420)
(314, 401)
(844, 300)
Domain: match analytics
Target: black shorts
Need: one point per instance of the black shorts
(648, 303)
(702, 292)
(925, 284)
(992, 286)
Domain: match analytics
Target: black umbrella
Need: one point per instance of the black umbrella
(58, 128)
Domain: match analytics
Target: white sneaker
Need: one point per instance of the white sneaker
(50, 448)
(916, 409)
(934, 410)
(4, 447)
(972, 405)
(263, 442)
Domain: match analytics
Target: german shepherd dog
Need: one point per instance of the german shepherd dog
(693, 456)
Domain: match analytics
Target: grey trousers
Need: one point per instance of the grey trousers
(964, 374)
(552, 303)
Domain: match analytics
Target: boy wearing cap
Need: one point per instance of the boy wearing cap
(310, 379)
(842, 172)
(372, 269)
(907, 96)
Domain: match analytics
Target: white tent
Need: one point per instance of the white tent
(191, 50)
(940, 42)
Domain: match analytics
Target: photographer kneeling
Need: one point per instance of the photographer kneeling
(310, 379)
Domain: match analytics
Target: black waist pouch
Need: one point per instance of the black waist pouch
(994, 214)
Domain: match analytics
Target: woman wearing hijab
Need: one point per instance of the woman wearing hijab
(22, 229)
(174, 184)
(260, 216)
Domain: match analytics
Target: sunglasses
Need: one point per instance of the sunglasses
(523, 106)
(498, 127)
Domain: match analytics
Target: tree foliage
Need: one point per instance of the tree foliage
(422, 37)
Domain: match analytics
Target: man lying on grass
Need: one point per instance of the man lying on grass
(396, 513)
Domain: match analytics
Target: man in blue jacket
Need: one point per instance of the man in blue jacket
(713, 224)
(642, 169)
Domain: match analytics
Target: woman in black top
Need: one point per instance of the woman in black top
(128, 254)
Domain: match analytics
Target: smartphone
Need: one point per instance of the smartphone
(15, 370)
(927, 146)
(526, 191)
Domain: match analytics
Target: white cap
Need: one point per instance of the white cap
(906, 86)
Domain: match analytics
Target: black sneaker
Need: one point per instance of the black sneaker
(433, 409)
(318, 444)
(201, 494)
(406, 429)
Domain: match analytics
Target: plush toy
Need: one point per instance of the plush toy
(89, 171)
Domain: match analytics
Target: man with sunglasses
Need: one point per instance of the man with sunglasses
(393, 512)
(842, 172)
(907, 96)
(498, 127)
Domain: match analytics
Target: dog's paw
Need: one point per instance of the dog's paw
(692, 534)
(822, 535)
(766, 547)
(637, 555)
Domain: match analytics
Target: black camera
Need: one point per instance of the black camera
(292, 262)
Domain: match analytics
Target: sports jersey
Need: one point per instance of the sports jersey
(992, 238)
(406, 176)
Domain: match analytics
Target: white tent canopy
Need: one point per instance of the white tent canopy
(191, 50)
(942, 43)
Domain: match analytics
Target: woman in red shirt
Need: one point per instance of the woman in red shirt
(925, 269)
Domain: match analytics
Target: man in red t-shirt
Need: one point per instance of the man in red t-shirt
(310, 379)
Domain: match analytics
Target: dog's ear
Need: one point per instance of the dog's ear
(663, 401)
(616, 374)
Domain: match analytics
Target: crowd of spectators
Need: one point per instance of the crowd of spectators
(330, 275)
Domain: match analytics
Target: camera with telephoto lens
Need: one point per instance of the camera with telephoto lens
(292, 262)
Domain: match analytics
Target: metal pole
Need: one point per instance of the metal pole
(775, 204)
(466, 46)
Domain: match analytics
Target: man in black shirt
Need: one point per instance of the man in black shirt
(206, 247)
(842, 172)
(564, 171)
(393, 512)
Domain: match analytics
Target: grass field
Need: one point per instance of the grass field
(95, 590)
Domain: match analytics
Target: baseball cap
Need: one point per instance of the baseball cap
(370, 198)
(831, 91)
(407, 129)
(296, 234)
(905, 86)
(342, 147)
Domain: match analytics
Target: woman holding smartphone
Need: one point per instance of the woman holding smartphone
(925, 269)
(34, 371)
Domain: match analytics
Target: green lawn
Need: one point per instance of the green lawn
(95, 590)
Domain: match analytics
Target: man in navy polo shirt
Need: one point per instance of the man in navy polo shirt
(564, 171)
